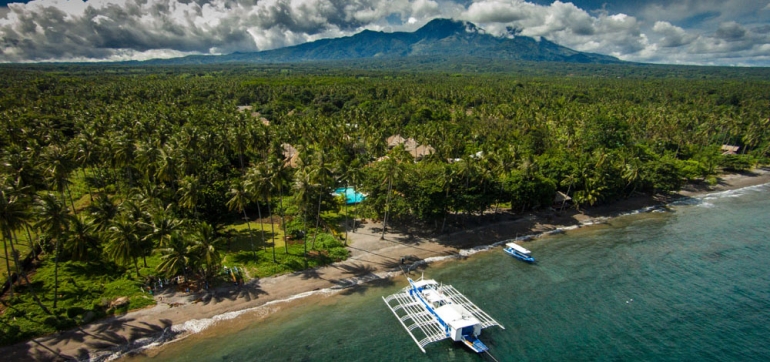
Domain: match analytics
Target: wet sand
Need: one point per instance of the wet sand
(371, 258)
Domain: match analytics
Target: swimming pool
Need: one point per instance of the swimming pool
(351, 196)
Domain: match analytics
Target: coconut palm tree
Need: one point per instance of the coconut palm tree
(303, 185)
(278, 177)
(80, 239)
(53, 220)
(162, 225)
(176, 257)
(205, 247)
(322, 178)
(189, 192)
(14, 214)
(58, 169)
(259, 185)
(102, 211)
(239, 199)
(393, 170)
(123, 246)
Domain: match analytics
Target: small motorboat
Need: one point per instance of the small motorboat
(519, 252)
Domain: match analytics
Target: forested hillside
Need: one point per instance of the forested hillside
(116, 177)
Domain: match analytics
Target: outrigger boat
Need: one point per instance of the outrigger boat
(519, 252)
(431, 312)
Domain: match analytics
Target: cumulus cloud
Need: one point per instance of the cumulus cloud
(563, 23)
(44, 30)
(673, 36)
(105, 29)
(731, 31)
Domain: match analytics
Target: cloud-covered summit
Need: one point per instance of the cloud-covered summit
(688, 31)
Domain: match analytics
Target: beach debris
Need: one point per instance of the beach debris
(119, 302)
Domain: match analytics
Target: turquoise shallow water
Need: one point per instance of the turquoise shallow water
(692, 284)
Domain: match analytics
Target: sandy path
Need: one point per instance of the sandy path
(370, 256)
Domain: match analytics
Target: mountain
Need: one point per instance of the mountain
(442, 38)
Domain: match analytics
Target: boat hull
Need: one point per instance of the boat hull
(520, 256)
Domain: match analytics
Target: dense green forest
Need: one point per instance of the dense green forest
(116, 177)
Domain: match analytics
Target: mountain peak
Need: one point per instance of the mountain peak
(439, 38)
(442, 28)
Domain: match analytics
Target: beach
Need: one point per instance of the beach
(371, 258)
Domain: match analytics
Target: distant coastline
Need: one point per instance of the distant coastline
(179, 314)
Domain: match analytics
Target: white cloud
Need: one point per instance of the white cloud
(139, 29)
(101, 29)
(673, 36)
(563, 23)
(731, 31)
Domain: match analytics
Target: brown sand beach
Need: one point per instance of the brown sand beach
(371, 258)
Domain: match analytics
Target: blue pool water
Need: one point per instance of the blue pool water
(351, 196)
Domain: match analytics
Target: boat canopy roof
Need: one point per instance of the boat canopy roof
(518, 248)
(456, 316)
(423, 283)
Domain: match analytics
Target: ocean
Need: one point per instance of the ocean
(691, 283)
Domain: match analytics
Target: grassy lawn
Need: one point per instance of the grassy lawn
(22, 247)
(258, 262)
(86, 290)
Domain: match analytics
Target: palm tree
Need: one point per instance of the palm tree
(278, 176)
(303, 185)
(239, 198)
(176, 257)
(393, 170)
(322, 177)
(162, 225)
(354, 174)
(123, 246)
(13, 215)
(205, 245)
(102, 211)
(58, 169)
(189, 191)
(80, 239)
(167, 167)
(259, 184)
(53, 220)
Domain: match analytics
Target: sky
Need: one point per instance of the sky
(702, 32)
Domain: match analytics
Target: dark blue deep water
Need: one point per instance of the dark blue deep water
(691, 284)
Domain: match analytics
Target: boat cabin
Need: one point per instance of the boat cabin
(519, 248)
(458, 321)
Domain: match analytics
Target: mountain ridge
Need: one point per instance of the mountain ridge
(439, 37)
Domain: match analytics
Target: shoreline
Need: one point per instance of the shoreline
(178, 315)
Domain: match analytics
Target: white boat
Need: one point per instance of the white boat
(519, 252)
(431, 312)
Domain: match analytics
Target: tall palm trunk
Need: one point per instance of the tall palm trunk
(272, 225)
(317, 222)
(56, 273)
(261, 227)
(355, 211)
(23, 273)
(446, 211)
(345, 200)
(387, 207)
(251, 234)
(85, 176)
(283, 224)
(304, 235)
(8, 263)
(31, 245)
